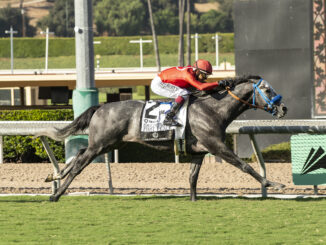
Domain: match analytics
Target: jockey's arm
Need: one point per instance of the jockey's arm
(201, 86)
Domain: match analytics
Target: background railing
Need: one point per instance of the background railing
(250, 127)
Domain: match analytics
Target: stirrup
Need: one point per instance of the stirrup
(171, 122)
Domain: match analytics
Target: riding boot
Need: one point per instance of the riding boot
(169, 119)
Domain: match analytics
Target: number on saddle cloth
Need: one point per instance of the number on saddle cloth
(152, 117)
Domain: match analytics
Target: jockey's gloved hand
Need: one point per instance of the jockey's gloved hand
(224, 84)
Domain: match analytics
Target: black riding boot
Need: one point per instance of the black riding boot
(169, 119)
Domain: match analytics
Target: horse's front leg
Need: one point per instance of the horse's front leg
(194, 172)
(223, 151)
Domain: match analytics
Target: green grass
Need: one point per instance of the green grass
(107, 61)
(161, 220)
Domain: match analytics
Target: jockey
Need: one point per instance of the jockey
(173, 83)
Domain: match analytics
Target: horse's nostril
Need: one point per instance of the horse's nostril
(285, 109)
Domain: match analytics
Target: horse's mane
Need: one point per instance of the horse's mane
(242, 79)
(232, 80)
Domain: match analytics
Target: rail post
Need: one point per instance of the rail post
(56, 168)
(196, 45)
(260, 160)
(47, 33)
(1, 149)
(11, 32)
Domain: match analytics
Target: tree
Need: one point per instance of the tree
(226, 8)
(157, 54)
(61, 19)
(181, 21)
(214, 21)
(166, 16)
(119, 18)
(129, 17)
(12, 17)
(188, 34)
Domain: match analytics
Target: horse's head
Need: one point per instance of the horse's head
(265, 97)
(261, 93)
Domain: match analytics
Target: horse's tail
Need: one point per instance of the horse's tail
(79, 124)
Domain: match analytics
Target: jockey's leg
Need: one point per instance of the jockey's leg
(169, 119)
(173, 92)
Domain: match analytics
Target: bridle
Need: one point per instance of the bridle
(270, 103)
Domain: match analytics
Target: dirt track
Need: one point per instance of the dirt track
(149, 178)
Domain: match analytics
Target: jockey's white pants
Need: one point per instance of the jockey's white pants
(167, 89)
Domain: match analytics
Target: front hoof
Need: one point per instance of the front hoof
(193, 198)
(279, 187)
(54, 198)
(49, 178)
(276, 186)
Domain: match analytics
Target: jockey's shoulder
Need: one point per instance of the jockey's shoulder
(185, 69)
(188, 69)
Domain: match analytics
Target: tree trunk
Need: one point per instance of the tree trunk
(181, 20)
(21, 6)
(157, 54)
(188, 34)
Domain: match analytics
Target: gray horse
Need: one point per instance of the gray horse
(209, 113)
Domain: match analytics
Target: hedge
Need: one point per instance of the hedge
(25, 148)
(35, 47)
(275, 153)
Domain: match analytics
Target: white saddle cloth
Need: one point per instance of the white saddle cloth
(154, 114)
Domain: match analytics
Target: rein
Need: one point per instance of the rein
(245, 102)
(269, 102)
(269, 107)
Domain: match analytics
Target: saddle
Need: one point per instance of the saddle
(152, 117)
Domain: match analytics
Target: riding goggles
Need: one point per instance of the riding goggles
(204, 72)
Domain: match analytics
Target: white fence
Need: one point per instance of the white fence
(250, 127)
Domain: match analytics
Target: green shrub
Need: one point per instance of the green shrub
(25, 148)
(168, 44)
(278, 152)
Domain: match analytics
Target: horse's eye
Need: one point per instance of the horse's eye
(268, 90)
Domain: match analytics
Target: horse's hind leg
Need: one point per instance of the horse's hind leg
(66, 169)
(80, 162)
(194, 172)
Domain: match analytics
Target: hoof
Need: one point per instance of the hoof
(279, 187)
(54, 198)
(276, 186)
(193, 198)
(49, 178)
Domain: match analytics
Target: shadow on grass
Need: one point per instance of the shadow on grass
(21, 201)
(297, 199)
(215, 198)
(163, 197)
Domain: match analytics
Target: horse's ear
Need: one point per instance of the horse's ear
(255, 77)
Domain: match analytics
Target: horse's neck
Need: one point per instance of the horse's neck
(243, 92)
(229, 108)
